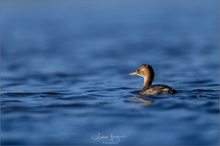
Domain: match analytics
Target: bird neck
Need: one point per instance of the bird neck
(148, 78)
(147, 81)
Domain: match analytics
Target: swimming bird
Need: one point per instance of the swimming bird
(146, 71)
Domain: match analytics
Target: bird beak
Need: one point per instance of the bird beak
(133, 73)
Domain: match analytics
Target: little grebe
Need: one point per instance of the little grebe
(146, 71)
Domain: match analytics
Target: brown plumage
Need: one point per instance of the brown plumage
(146, 71)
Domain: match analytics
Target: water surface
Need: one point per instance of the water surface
(65, 66)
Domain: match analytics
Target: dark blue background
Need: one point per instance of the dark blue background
(65, 66)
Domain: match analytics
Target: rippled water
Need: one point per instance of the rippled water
(65, 66)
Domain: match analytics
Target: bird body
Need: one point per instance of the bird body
(146, 71)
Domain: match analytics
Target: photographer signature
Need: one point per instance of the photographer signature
(109, 139)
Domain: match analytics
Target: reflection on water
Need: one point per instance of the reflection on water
(65, 65)
(145, 102)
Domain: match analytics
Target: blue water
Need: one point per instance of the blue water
(65, 66)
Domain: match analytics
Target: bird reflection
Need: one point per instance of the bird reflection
(144, 101)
